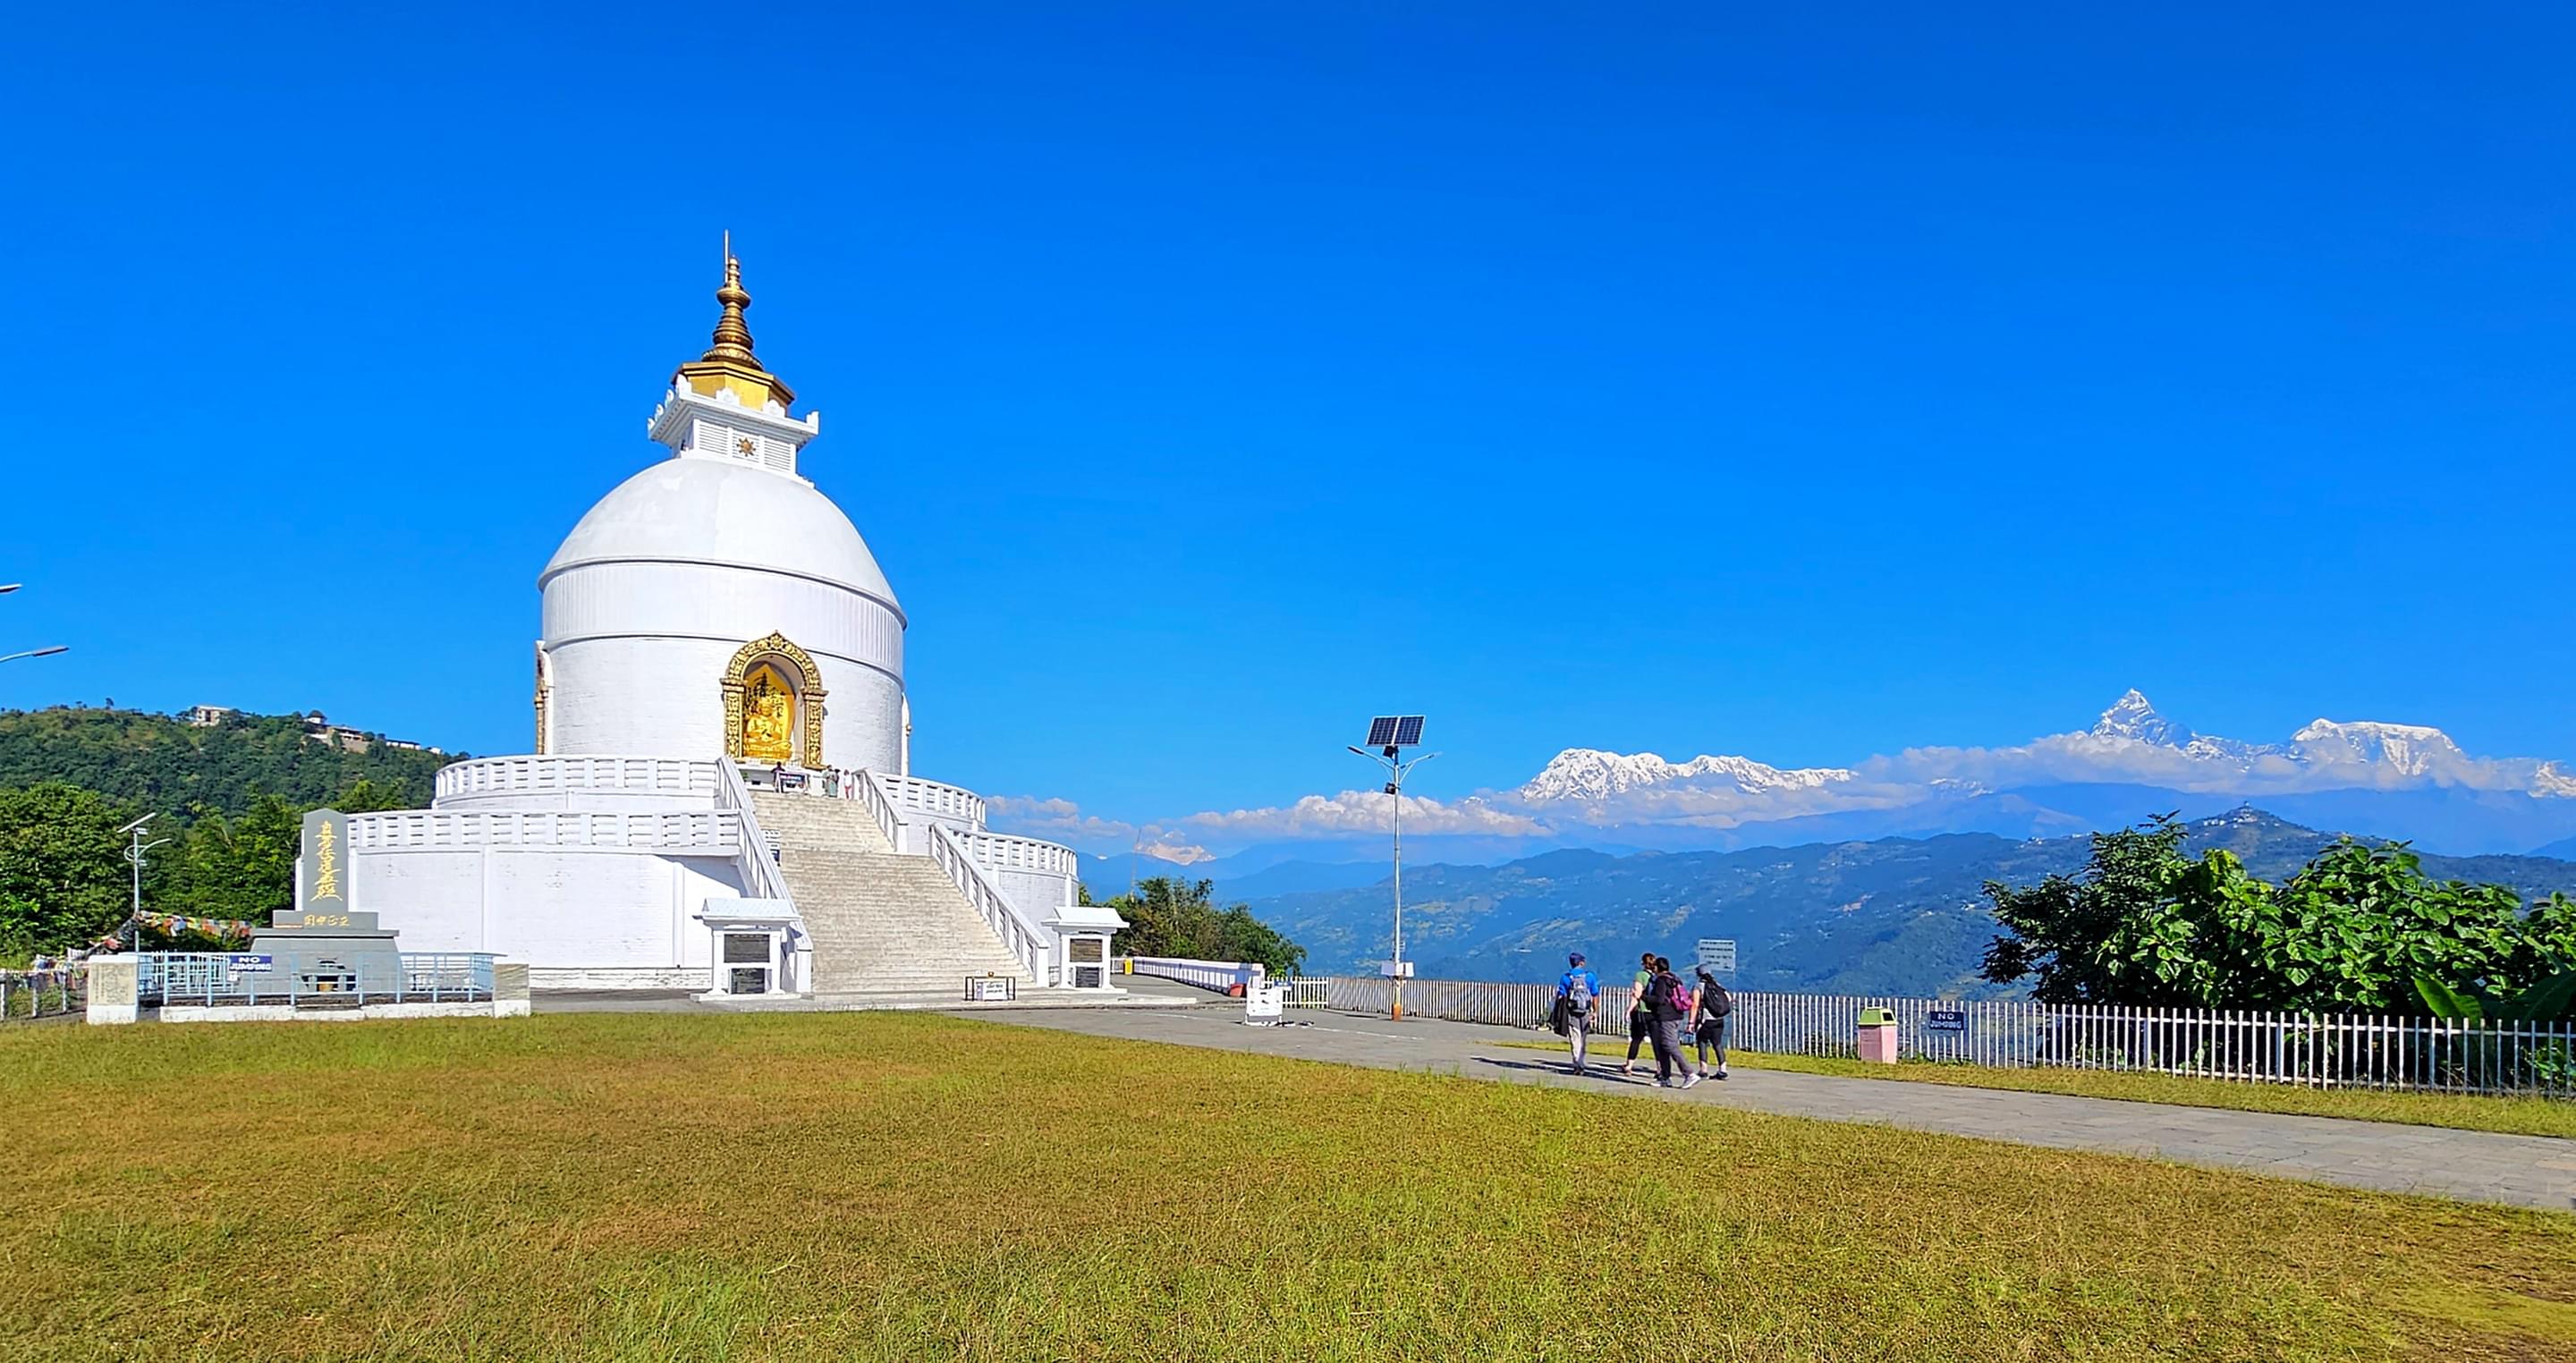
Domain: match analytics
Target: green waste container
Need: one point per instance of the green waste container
(1877, 1017)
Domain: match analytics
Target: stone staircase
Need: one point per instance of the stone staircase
(883, 923)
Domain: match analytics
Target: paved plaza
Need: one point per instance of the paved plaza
(2526, 1171)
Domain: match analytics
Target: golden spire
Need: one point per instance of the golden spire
(729, 363)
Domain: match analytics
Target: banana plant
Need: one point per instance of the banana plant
(2551, 1000)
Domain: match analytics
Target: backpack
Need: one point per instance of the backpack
(1578, 995)
(1715, 1002)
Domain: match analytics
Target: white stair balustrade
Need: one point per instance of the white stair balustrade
(885, 922)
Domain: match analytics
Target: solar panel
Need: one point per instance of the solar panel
(1408, 731)
(1381, 731)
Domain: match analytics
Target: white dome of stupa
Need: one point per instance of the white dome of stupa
(715, 604)
(723, 512)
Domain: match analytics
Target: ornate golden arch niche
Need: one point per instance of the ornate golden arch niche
(773, 704)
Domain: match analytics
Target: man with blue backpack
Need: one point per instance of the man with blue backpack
(1576, 993)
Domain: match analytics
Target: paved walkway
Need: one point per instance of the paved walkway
(2527, 1171)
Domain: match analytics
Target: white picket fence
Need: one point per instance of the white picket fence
(2330, 1051)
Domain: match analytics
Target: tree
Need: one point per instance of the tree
(237, 868)
(2355, 929)
(63, 874)
(1168, 917)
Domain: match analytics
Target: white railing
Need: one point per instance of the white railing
(537, 775)
(871, 791)
(1223, 977)
(698, 832)
(932, 799)
(1306, 991)
(759, 871)
(1032, 944)
(2243, 1045)
(1006, 852)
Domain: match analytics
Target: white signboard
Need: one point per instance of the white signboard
(989, 989)
(1396, 970)
(1268, 1003)
(1717, 955)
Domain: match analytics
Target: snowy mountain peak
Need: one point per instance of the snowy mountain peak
(2132, 717)
(2409, 749)
(1593, 774)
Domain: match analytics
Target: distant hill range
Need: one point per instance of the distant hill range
(168, 763)
(1889, 915)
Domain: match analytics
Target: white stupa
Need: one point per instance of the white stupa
(721, 795)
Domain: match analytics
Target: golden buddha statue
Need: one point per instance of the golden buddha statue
(768, 719)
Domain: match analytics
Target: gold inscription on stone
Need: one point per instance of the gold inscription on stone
(326, 861)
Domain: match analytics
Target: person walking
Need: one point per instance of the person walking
(1671, 1006)
(1577, 991)
(1713, 1008)
(1641, 1021)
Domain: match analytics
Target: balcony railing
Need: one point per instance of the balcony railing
(696, 832)
(542, 775)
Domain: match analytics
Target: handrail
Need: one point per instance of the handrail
(1026, 940)
(934, 798)
(880, 806)
(761, 878)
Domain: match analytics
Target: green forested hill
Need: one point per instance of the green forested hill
(158, 763)
(231, 796)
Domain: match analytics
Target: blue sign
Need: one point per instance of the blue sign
(1939, 1020)
(245, 962)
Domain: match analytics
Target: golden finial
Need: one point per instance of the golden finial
(729, 362)
(732, 339)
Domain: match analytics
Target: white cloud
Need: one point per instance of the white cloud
(1356, 811)
(1056, 820)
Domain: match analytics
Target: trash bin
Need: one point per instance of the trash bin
(1878, 1036)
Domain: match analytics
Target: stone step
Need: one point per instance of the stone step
(882, 922)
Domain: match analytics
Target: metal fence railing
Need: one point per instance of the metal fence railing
(2323, 1051)
(220, 979)
(26, 994)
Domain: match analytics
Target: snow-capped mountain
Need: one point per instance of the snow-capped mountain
(2134, 719)
(2392, 780)
(1592, 774)
(2131, 716)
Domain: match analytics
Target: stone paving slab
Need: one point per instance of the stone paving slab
(2477, 1166)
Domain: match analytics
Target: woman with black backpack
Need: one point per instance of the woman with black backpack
(1670, 997)
(1713, 1011)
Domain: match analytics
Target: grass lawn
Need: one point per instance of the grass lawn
(2465, 1112)
(900, 1186)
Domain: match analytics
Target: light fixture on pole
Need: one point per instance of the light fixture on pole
(134, 854)
(46, 652)
(1391, 735)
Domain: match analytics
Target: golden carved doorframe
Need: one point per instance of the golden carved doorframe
(801, 669)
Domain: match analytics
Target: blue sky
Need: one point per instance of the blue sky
(1209, 378)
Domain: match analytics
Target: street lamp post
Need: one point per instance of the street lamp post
(45, 652)
(1391, 735)
(134, 854)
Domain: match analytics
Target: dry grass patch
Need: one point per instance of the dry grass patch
(860, 1186)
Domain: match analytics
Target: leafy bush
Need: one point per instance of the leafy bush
(2354, 930)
